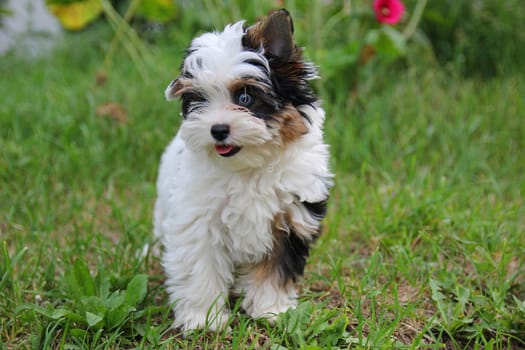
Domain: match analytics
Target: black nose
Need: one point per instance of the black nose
(220, 131)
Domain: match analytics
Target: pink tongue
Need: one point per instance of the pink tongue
(223, 149)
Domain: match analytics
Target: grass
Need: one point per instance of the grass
(423, 244)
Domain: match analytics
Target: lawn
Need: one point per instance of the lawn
(423, 245)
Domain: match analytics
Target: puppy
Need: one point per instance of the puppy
(243, 186)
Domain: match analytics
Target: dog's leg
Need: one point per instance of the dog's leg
(269, 286)
(198, 279)
(265, 293)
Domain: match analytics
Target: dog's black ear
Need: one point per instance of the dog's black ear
(275, 34)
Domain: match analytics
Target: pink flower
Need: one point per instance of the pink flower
(388, 11)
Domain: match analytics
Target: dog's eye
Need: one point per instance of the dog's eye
(244, 99)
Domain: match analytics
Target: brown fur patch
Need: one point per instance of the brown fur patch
(254, 36)
(291, 125)
(267, 271)
(236, 108)
(263, 271)
(180, 86)
(268, 268)
(285, 263)
(275, 34)
(237, 84)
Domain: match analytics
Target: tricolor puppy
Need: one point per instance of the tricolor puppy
(243, 186)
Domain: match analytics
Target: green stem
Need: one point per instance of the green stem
(121, 28)
(414, 19)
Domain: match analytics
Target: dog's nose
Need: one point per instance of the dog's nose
(220, 131)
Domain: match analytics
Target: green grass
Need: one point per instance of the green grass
(424, 242)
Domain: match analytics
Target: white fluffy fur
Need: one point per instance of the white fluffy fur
(213, 214)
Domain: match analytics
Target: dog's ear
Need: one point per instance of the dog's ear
(176, 88)
(173, 90)
(275, 34)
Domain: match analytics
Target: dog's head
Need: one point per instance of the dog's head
(242, 91)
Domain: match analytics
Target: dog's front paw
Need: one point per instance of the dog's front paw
(269, 303)
(271, 313)
(192, 321)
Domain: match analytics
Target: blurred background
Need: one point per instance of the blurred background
(475, 37)
(359, 54)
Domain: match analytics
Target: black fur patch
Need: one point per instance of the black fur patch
(289, 75)
(317, 209)
(290, 81)
(265, 103)
(293, 252)
(191, 102)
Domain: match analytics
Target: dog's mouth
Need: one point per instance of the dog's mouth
(227, 150)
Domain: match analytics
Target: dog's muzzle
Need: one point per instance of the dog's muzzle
(220, 132)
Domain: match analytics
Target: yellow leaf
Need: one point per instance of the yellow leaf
(76, 15)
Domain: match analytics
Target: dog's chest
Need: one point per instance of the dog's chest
(247, 219)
